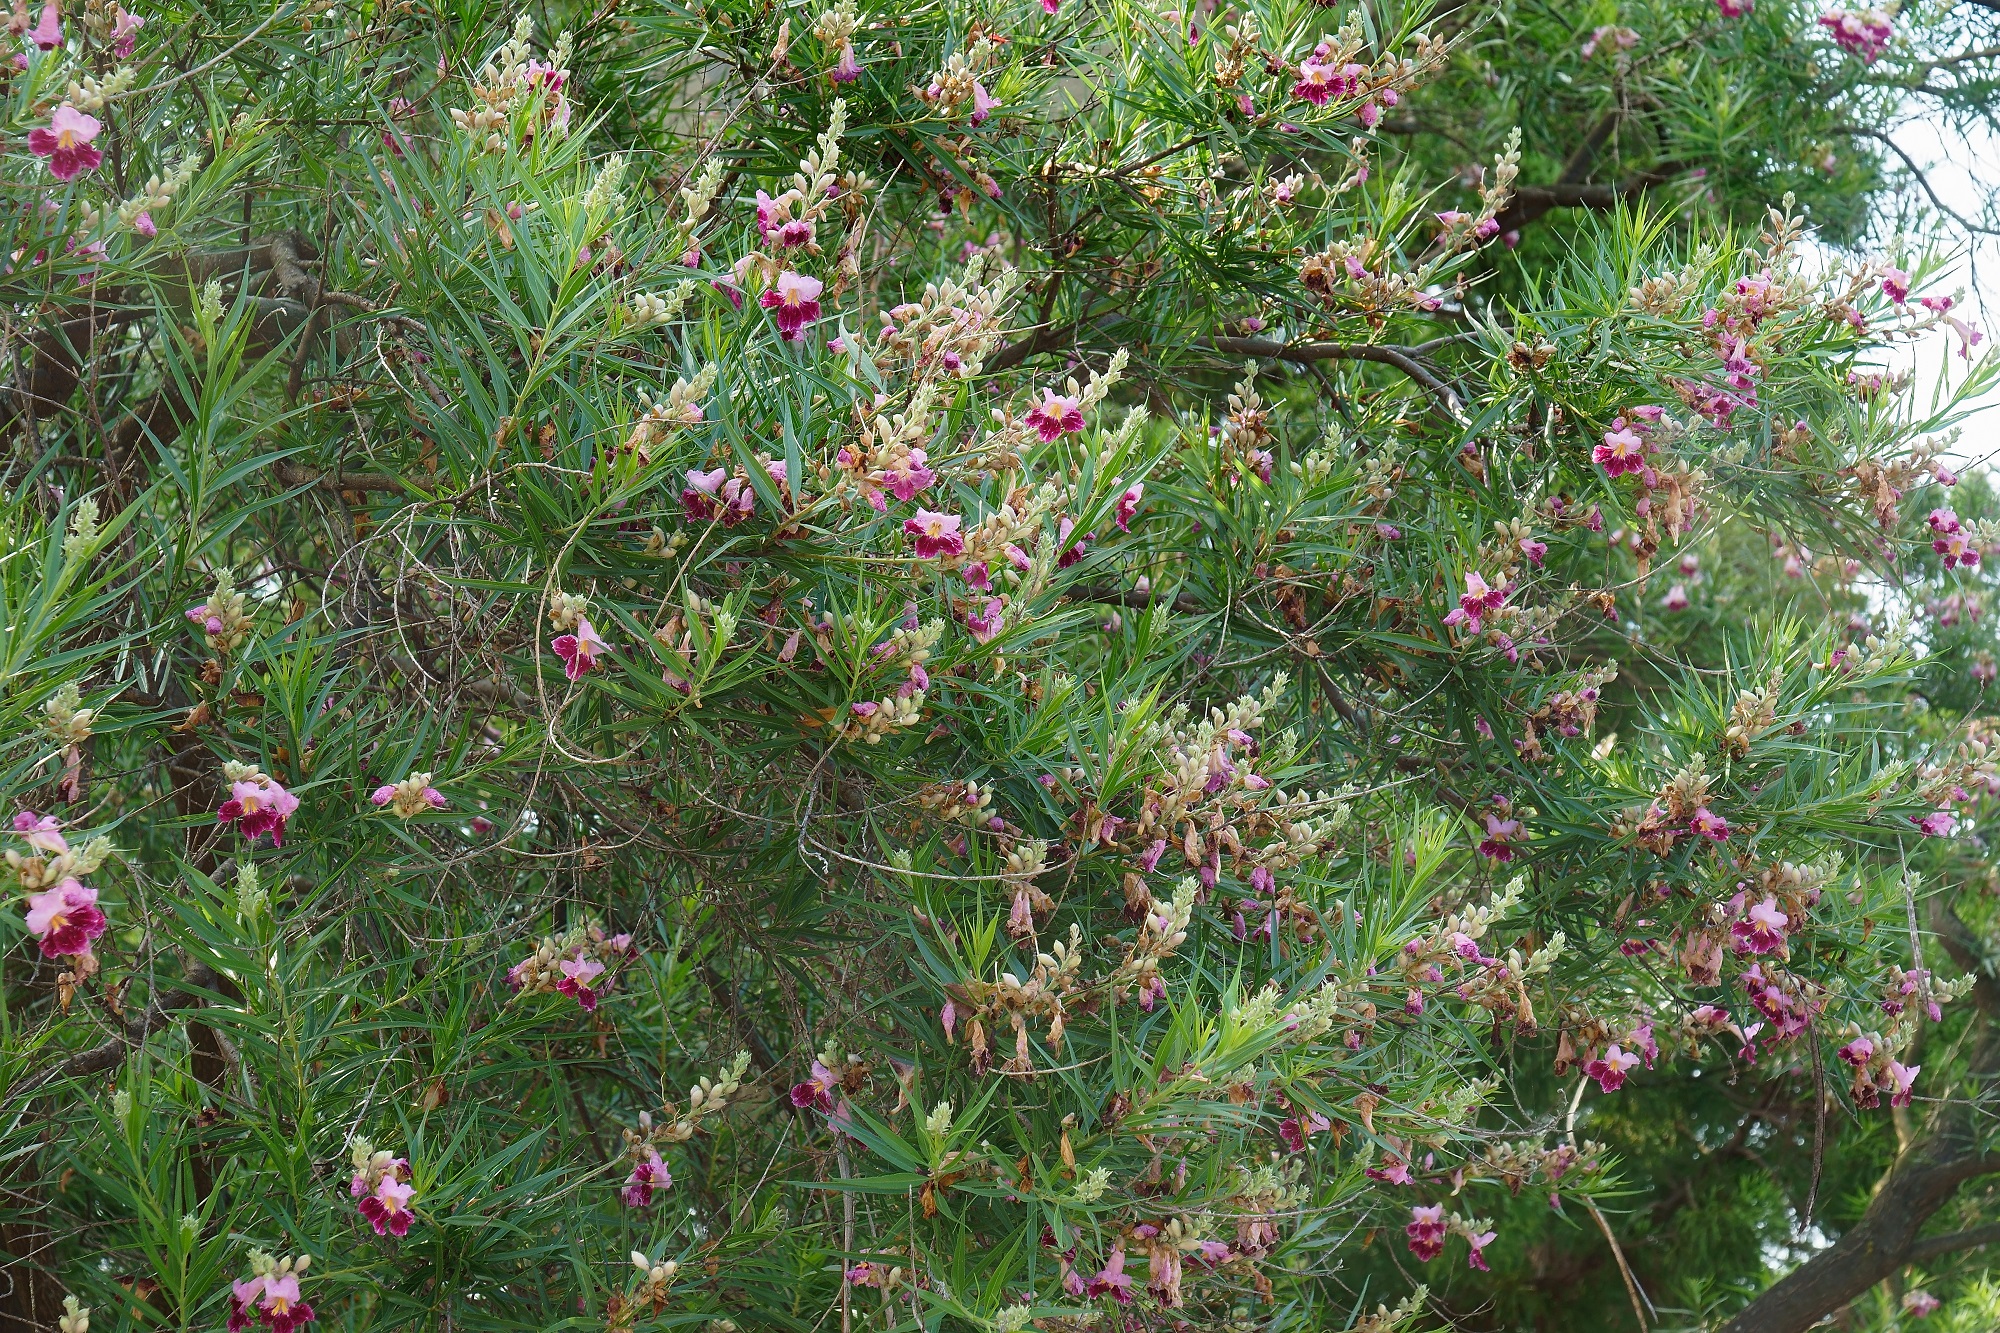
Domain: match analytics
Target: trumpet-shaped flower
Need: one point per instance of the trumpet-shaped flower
(935, 534)
(795, 299)
(649, 1173)
(577, 976)
(66, 917)
(1762, 929)
(258, 805)
(579, 651)
(65, 141)
(1055, 415)
(1426, 1231)
(1610, 1069)
(388, 1208)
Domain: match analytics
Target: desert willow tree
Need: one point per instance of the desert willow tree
(926, 667)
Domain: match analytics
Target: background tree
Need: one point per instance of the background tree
(761, 665)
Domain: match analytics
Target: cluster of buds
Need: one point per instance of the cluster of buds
(75, 1317)
(1163, 929)
(271, 1296)
(1043, 995)
(650, 310)
(1754, 713)
(707, 1097)
(952, 326)
(511, 81)
(682, 405)
(870, 721)
(835, 31)
(792, 219)
(655, 1280)
(90, 93)
(1519, 1163)
(955, 86)
(62, 909)
(410, 797)
(957, 801)
(382, 1184)
(1461, 228)
(65, 717)
(574, 966)
(1245, 434)
(1679, 811)
(222, 618)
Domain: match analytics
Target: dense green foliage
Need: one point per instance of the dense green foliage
(1108, 668)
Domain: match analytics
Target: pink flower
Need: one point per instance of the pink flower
(41, 832)
(847, 69)
(936, 534)
(281, 1308)
(258, 806)
(388, 1208)
(578, 973)
(66, 917)
(795, 297)
(1713, 827)
(1936, 824)
(1904, 1077)
(1055, 415)
(1610, 1068)
(1920, 1304)
(983, 103)
(1499, 835)
(977, 576)
(1479, 1242)
(66, 140)
(1111, 1278)
(1369, 115)
(1858, 1052)
(1067, 553)
(1865, 34)
(1051, 6)
(1676, 598)
(1128, 505)
(1478, 599)
(145, 226)
(909, 475)
(986, 624)
(124, 30)
(1762, 930)
(1426, 1231)
(649, 1173)
(1534, 550)
(48, 33)
(1623, 450)
(1316, 83)
(816, 1091)
(1896, 285)
(1733, 9)
(579, 651)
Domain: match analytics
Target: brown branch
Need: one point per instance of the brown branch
(1380, 353)
(1042, 340)
(1186, 603)
(110, 1054)
(1932, 1247)
(291, 474)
